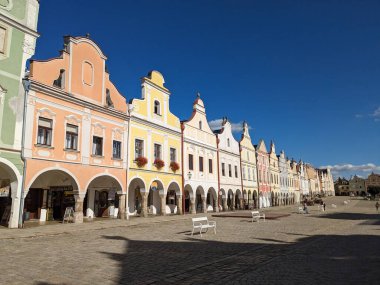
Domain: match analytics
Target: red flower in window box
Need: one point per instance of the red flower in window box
(159, 163)
(141, 161)
(174, 166)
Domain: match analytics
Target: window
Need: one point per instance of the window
(139, 148)
(228, 142)
(116, 149)
(200, 125)
(244, 172)
(201, 164)
(71, 137)
(44, 131)
(236, 172)
(157, 151)
(97, 146)
(173, 154)
(191, 165)
(248, 155)
(157, 107)
(223, 170)
(210, 165)
(249, 173)
(229, 170)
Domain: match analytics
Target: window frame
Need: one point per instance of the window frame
(159, 150)
(72, 135)
(45, 130)
(200, 164)
(175, 154)
(157, 107)
(142, 148)
(210, 168)
(102, 145)
(113, 149)
(191, 161)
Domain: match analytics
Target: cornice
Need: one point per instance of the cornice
(65, 96)
(19, 26)
(154, 125)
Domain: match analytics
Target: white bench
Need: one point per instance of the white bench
(300, 210)
(202, 223)
(256, 215)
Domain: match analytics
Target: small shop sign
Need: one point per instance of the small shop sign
(4, 191)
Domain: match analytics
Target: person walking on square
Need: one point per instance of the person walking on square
(377, 206)
(324, 206)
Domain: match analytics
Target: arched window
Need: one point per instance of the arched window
(157, 107)
(228, 142)
(200, 125)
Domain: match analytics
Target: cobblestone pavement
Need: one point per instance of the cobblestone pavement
(339, 246)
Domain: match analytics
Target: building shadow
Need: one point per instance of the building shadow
(368, 219)
(327, 259)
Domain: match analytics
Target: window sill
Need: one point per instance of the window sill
(116, 158)
(71, 150)
(97, 156)
(44, 146)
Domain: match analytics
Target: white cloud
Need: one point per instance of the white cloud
(236, 127)
(376, 113)
(348, 169)
(215, 124)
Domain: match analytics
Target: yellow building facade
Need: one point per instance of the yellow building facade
(154, 171)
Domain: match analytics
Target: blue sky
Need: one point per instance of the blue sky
(303, 73)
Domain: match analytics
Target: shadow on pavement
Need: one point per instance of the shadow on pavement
(368, 219)
(311, 260)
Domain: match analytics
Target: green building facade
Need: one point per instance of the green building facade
(18, 34)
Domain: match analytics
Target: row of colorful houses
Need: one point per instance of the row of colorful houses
(69, 139)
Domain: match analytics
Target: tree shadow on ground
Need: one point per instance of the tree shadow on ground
(312, 260)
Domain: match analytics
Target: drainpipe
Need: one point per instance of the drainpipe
(217, 161)
(183, 170)
(241, 174)
(26, 85)
(258, 183)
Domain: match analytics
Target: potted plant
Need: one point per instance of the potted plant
(174, 166)
(141, 161)
(159, 163)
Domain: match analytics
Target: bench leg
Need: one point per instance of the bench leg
(200, 231)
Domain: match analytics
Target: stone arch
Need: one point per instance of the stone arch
(212, 200)
(10, 180)
(156, 197)
(230, 200)
(136, 188)
(53, 189)
(189, 199)
(200, 200)
(238, 199)
(102, 197)
(222, 200)
(173, 199)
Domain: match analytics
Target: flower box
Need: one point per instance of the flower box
(141, 161)
(174, 166)
(159, 163)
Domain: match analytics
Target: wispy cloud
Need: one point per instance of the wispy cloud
(236, 127)
(358, 116)
(376, 115)
(351, 169)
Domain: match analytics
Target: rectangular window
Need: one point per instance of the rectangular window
(116, 149)
(201, 164)
(236, 172)
(45, 129)
(210, 165)
(71, 137)
(191, 165)
(3, 34)
(139, 148)
(173, 155)
(157, 151)
(229, 170)
(223, 170)
(244, 172)
(249, 173)
(97, 146)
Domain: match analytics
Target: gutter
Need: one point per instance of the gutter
(183, 173)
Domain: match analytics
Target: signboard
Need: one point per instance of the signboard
(154, 186)
(4, 191)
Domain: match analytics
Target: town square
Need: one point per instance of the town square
(193, 142)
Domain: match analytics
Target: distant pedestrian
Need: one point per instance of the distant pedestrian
(324, 206)
(377, 206)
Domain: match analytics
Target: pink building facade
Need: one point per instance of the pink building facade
(263, 174)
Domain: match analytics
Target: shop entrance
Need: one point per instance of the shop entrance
(49, 195)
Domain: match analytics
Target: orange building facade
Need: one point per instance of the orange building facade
(76, 137)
